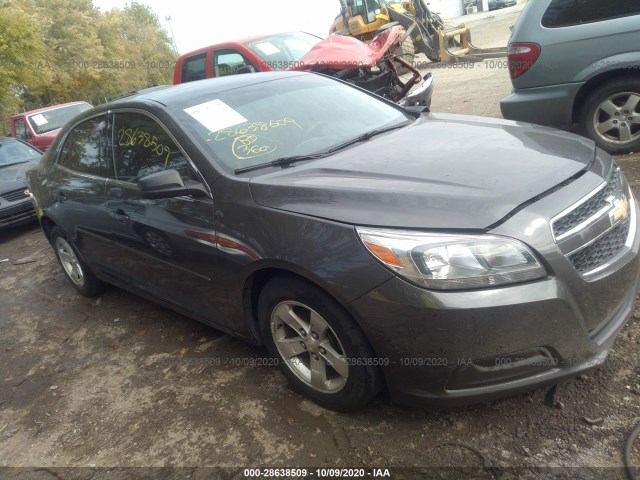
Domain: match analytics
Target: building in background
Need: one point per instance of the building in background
(447, 8)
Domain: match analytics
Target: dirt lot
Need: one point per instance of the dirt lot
(115, 382)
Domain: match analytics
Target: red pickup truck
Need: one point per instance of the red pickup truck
(370, 66)
(40, 127)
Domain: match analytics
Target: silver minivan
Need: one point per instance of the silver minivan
(578, 62)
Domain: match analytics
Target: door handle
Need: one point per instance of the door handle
(120, 215)
(60, 196)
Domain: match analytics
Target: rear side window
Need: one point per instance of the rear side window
(194, 68)
(143, 147)
(564, 13)
(87, 148)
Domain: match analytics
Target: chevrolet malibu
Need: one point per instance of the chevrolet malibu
(450, 259)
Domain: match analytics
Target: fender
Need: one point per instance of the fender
(629, 60)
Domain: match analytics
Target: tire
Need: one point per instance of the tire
(407, 52)
(290, 310)
(74, 268)
(605, 108)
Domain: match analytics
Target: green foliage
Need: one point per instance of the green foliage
(20, 53)
(54, 51)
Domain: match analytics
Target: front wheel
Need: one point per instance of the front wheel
(611, 116)
(320, 349)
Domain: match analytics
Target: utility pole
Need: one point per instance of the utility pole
(173, 38)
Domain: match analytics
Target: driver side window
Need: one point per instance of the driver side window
(229, 62)
(142, 147)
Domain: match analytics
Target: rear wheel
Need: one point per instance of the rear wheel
(75, 269)
(611, 116)
(320, 349)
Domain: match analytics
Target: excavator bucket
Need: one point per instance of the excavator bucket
(452, 45)
(463, 50)
(422, 40)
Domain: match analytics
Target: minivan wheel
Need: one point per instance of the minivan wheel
(611, 116)
(318, 346)
(80, 276)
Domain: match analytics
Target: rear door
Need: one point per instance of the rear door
(77, 185)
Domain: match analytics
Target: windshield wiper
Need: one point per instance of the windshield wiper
(288, 161)
(281, 162)
(366, 136)
(12, 163)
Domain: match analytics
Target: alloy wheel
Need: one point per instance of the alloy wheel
(309, 347)
(70, 262)
(617, 119)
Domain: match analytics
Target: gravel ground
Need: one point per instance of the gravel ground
(119, 382)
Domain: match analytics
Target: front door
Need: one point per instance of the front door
(163, 247)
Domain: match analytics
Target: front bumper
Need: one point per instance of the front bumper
(420, 96)
(551, 105)
(17, 213)
(468, 350)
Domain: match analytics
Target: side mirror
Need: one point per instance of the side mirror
(168, 184)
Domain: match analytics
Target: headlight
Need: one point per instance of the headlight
(449, 262)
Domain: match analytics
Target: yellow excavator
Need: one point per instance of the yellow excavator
(364, 19)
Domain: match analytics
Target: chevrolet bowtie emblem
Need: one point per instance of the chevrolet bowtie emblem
(26, 192)
(620, 210)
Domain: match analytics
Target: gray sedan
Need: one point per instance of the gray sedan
(364, 244)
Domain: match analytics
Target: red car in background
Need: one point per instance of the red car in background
(261, 53)
(373, 66)
(40, 127)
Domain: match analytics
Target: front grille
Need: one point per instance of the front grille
(601, 251)
(589, 208)
(15, 195)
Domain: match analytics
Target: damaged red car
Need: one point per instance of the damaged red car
(374, 67)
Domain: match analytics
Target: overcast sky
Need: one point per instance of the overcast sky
(197, 24)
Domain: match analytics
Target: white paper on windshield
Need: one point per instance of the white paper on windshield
(267, 48)
(215, 115)
(39, 119)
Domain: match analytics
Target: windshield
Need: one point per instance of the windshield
(283, 50)
(44, 122)
(290, 116)
(13, 151)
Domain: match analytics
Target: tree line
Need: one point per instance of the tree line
(56, 51)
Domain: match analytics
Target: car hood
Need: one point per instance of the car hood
(12, 177)
(343, 52)
(441, 172)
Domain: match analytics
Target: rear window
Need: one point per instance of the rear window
(50, 120)
(564, 13)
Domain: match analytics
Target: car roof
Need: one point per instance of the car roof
(177, 93)
(240, 41)
(50, 107)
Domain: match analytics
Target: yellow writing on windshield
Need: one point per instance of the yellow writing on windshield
(249, 146)
(251, 127)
